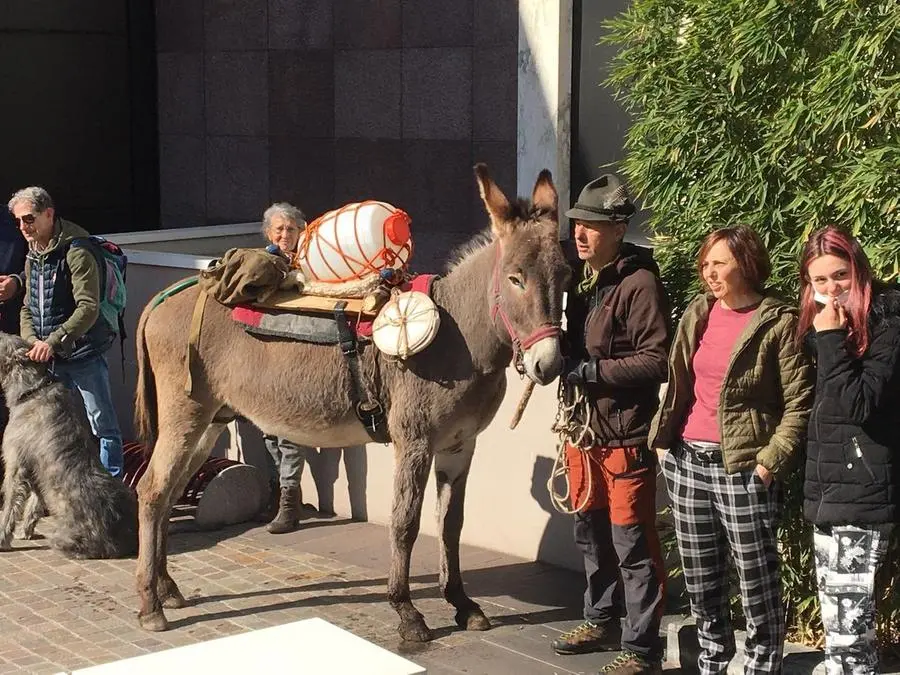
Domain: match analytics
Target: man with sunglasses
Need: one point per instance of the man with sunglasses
(61, 317)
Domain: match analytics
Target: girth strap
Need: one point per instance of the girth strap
(193, 346)
(370, 412)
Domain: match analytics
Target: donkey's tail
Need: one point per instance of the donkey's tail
(145, 410)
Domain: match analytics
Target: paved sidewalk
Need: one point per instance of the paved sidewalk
(57, 614)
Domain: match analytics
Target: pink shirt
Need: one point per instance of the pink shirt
(710, 363)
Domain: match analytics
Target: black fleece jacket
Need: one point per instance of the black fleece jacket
(622, 327)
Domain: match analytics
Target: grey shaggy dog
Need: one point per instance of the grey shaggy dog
(53, 461)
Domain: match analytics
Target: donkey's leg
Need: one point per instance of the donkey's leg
(183, 423)
(410, 477)
(15, 489)
(169, 594)
(34, 511)
(451, 471)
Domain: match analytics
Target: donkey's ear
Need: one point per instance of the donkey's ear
(544, 195)
(495, 201)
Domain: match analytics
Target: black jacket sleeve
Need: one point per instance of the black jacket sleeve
(856, 386)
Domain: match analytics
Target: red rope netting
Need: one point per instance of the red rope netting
(395, 244)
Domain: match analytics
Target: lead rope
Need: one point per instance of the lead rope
(573, 426)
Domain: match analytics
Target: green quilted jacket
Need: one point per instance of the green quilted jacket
(766, 398)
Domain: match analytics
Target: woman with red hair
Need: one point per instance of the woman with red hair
(851, 323)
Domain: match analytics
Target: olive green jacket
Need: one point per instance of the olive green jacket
(765, 402)
(85, 286)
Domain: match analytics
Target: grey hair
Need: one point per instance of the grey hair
(288, 211)
(36, 196)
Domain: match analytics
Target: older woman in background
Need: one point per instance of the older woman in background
(282, 224)
(729, 428)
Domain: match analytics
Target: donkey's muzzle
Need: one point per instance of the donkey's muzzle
(543, 360)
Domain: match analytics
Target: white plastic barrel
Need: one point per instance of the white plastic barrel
(353, 241)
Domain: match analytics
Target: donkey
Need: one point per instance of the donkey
(503, 299)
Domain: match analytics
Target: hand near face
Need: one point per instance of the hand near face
(8, 287)
(830, 317)
(40, 351)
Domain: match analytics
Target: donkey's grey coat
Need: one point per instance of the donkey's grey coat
(52, 460)
(437, 401)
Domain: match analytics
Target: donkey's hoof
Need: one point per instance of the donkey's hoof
(155, 621)
(472, 619)
(415, 631)
(169, 594)
(174, 601)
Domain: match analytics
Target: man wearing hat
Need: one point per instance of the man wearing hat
(617, 340)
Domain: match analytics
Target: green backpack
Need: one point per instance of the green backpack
(113, 264)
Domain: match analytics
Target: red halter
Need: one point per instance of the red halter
(519, 345)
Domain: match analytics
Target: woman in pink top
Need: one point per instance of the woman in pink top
(729, 428)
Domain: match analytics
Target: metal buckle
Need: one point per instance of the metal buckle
(708, 456)
(371, 413)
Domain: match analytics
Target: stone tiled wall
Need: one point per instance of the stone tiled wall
(322, 102)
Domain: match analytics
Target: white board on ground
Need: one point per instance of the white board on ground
(308, 647)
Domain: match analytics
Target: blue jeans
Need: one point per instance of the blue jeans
(90, 378)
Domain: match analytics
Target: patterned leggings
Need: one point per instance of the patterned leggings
(847, 559)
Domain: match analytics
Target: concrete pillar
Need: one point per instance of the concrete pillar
(544, 138)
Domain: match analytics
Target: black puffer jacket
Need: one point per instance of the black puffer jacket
(853, 465)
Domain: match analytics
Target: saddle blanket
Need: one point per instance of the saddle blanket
(316, 328)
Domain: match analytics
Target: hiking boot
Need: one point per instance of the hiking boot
(288, 517)
(629, 663)
(590, 637)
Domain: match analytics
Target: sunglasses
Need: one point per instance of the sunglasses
(28, 219)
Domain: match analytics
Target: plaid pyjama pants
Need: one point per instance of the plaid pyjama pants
(720, 516)
(847, 559)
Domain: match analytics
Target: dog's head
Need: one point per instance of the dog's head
(13, 350)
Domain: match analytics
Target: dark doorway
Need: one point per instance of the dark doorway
(79, 115)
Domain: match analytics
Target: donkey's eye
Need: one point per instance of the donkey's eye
(516, 281)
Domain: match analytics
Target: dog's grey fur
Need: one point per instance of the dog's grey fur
(52, 461)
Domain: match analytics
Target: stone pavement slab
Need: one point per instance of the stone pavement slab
(57, 614)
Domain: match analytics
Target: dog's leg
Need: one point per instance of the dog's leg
(34, 511)
(14, 490)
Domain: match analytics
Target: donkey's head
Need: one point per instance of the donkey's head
(530, 274)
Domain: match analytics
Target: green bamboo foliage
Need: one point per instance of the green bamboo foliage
(782, 115)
